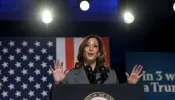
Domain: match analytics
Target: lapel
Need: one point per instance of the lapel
(80, 76)
(107, 80)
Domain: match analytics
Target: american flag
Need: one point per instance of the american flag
(24, 65)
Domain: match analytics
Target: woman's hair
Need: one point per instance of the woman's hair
(100, 59)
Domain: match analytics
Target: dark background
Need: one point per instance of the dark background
(152, 30)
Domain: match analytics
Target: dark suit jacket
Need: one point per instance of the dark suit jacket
(78, 76)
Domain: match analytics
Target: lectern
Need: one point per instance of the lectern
(97, 92)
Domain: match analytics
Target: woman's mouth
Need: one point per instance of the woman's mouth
(90, 54)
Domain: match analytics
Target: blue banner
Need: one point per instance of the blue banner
(159, 80)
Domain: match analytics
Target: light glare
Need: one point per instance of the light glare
(84, 5)
(128, 17)
(174, 6)
(47, 16)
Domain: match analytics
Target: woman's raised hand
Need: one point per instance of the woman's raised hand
(58, 74)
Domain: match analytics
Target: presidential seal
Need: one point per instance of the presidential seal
(99, 96)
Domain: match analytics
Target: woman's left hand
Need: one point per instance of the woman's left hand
(134, 77)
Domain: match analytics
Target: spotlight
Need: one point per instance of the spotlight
(128, 17)
(46, 16)
(84, 5)
(174, 6)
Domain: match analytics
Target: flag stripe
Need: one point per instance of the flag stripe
(60, 51)
(106, 44)
(69, 53)
(76, 47)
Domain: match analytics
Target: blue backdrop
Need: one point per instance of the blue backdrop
(100, 10)
(159, 80)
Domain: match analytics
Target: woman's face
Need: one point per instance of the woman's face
(91, 50)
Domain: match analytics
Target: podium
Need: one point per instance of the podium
(97, 92)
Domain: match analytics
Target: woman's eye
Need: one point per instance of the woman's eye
(95, 46)
(87, 44)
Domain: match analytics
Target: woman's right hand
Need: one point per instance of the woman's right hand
(58, 74)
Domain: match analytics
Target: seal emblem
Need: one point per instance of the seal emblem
(99, 96)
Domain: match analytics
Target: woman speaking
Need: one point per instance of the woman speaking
(90, 68)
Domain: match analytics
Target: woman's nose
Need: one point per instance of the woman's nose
(91, 48)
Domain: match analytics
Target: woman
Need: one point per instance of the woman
(90, 67)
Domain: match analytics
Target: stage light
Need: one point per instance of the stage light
(84, 5)
(47, 16)
(128, 17)
(174, 6)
